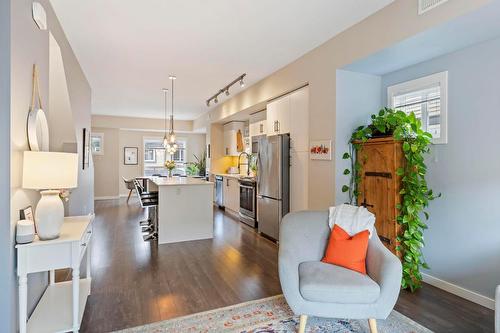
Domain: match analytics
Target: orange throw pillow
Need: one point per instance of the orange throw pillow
(346, 251)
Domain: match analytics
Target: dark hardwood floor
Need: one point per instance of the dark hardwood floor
(136, 282)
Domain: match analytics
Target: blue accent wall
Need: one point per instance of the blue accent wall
(463, 239)
(7, 299)
(358, 96)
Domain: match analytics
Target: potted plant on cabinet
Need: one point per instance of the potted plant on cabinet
(415, 193)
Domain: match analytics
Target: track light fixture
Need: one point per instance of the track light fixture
(225, 90)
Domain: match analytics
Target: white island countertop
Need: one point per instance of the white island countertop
(185, 208)
(173, 181)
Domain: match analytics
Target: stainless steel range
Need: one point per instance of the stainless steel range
(248, 201)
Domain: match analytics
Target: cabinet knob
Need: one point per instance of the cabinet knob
(84, 244)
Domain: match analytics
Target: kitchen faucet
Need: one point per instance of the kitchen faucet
(248, 162)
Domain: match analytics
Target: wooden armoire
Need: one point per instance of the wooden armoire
(380, 185)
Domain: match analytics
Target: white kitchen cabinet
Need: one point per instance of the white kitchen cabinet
(230, 137)
(278, 116)
(299, 184)
(258, 123)
(232, 194)
(299, 120)
(289, 114)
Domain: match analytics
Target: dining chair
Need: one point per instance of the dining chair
(129, 184)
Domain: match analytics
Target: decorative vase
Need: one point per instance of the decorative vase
(49, 215)
(170, 173)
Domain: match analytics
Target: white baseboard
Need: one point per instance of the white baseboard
(111, 197)
(126, 195)
(459, 291)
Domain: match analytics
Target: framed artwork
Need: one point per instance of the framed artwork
(27, 214)
(130, 155)
(321, 150)
(97, 143)
(86, 148)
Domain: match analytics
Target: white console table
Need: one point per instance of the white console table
(61, 307)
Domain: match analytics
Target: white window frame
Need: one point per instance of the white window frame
(422, 83)
(167, 155)
(101, 137)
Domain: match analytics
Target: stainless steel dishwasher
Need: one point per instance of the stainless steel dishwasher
(219, 191)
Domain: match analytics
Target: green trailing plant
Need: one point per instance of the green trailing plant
(414, 192)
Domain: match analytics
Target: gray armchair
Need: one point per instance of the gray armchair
(318, 289)
(497, 310)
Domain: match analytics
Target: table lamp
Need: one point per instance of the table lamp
(49, 172)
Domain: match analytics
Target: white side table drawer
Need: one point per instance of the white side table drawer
(43, 258)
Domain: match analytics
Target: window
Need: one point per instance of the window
(155, 157)
(149, 155)
(427, 98)
(97, 143)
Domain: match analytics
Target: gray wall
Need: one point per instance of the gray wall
(463, 239)
(7, 301)
(30, 45)
(358, 96)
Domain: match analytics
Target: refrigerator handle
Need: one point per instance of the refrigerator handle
(258, 167)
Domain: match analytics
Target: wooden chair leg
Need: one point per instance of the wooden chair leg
(373, 325)
(129, 194)
(302, 324)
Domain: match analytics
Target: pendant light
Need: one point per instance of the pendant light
(171, 144)
(165, 139)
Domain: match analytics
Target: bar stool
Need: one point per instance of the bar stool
(149, 201)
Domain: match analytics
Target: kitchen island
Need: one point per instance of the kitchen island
(185, 208)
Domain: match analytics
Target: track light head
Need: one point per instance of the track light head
(227, 92)
(208, 103)
(242, 84)
(216, 100)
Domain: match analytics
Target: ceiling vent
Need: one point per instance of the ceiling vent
(426, 5)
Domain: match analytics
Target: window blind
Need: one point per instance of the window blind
(425, 104)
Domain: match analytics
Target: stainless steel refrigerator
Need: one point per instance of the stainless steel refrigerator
(273, 183)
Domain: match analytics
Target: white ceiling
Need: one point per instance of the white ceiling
(127, 48)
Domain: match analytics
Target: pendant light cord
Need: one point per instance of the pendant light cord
(166, 92)
(172, 117)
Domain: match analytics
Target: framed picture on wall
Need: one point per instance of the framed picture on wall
(321, 150)
(86, 148)
(130, 155)
(27, 214)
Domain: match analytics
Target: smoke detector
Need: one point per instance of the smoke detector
(426, 5)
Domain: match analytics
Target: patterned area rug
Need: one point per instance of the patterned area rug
(271, 315)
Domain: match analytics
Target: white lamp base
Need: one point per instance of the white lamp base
(49, 215)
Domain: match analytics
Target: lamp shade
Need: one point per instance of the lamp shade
(50, 170)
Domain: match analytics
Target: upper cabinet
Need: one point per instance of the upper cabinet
(234, 138)
(299, 120)
(289, 114)
(258, 125)
(278, 116)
